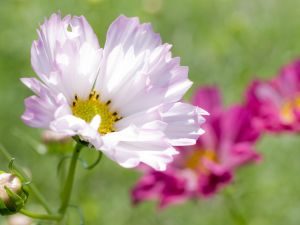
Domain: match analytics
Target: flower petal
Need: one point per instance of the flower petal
(183, 123)
(124, 31)
(209, 98)
(136, 65)
(72, 126)
(165, 186)
(132, 146)
(40, 110)
(67, 47)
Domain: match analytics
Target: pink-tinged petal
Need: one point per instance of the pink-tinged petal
(78, 68)
(71, 125)
(183, 123)
(66, 47)
(133, 145)
(125, 31)
(37, 113)
(138, 66)
(40, 110)
(139, 119)
(239, 135)
(166, 187)
(289, 79)
(82, 30)
(243, 153)
(238, 126)
(34, 84)
(264, 102)
(211, 138)
(179, 86)
(217, 177)
(209, 98)
(68, 124)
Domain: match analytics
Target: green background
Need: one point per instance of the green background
(224, 42)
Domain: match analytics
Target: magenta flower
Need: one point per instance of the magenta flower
(276, 103)
(201, 170)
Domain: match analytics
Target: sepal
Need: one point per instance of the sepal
(13, 193)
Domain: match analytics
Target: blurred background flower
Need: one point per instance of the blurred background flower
(201, 170)
(276, 103)
(224, 42)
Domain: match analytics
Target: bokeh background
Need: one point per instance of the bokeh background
(224, 42)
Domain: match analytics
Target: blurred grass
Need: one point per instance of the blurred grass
(224, 42)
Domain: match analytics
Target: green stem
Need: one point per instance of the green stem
(40, 216)
(32, 187)
(66, 194)
(40, 198)
(234, 209)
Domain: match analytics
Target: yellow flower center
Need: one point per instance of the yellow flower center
(194, 161)
(87, 109)
(287, 110)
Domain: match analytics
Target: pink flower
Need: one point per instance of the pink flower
(123, 99)
(276, 103)
(203, 169)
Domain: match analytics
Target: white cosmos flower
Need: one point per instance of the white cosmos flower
(124, 98)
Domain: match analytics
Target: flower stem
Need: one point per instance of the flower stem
(40, 216)
(32, 187)
(40, 198)
(234, 209)
(66, 194)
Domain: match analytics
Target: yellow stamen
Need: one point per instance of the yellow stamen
(287, 110)
(87, 109)
(194, 161)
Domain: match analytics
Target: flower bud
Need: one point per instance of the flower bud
(55, 143)
(12, 194)
(49, 136)
(19, 219)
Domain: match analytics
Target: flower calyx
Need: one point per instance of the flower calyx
(13, 194)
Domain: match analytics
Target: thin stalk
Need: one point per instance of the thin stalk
(40, 216)
(66, 194)
(37, 194)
